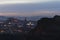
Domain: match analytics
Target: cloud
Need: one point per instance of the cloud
(38, 9)
(24, 1)
(19, 0)
(30, 7)
(43, 13)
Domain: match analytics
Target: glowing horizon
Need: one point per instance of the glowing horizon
(35, 13)
(23, 1)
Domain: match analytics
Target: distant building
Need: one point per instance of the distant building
(12, 25)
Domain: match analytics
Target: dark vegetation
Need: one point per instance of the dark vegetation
(46, 29)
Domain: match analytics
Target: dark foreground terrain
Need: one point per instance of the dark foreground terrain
(46, 29)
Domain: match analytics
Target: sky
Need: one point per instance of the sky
(47, 8)
(23, 1)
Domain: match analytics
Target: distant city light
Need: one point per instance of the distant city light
(2, 31)
(5, 25)
(30, 23)
(16, 25)
(9, 23)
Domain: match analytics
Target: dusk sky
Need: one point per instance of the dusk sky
(29, 7)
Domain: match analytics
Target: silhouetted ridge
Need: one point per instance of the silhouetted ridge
(47, 29)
